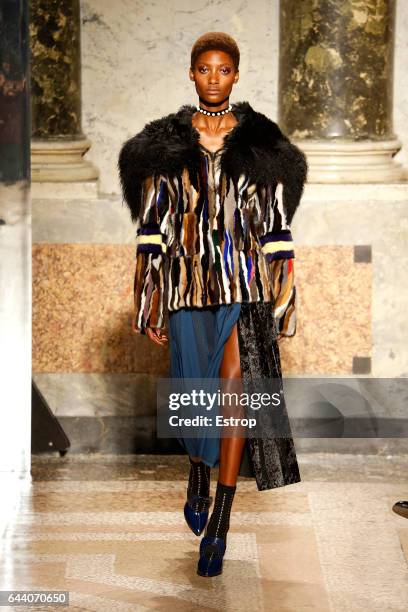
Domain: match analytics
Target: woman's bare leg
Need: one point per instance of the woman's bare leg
(231, 447)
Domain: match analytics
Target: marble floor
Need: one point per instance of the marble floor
(110, 530)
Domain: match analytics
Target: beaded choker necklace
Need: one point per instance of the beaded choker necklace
(214, 113)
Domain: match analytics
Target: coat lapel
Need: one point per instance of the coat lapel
(251, 143)
(255, 147)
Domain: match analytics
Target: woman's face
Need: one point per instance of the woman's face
(214, 75)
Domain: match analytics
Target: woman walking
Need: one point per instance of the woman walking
(213, 189)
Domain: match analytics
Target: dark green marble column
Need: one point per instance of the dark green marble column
(55, 68)
(336, 85)
(14, 93)
(58, 140)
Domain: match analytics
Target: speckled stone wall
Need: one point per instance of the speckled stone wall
(82, 305)
(55, 68)
(336, 68)
(83, 302)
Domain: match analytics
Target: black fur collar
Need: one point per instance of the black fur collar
(255, 146)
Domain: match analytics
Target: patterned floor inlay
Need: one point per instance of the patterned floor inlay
(328, 543)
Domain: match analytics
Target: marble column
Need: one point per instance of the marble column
(58, 143)
(336, 87)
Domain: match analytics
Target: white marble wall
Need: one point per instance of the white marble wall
(135, 59)
(136, 56)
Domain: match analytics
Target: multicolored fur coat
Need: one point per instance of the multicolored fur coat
(212, 227)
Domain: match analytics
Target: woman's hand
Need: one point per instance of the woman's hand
(156, 335)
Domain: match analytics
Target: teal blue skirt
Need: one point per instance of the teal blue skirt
(197, 337)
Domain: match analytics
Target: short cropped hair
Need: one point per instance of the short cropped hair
(215, 40)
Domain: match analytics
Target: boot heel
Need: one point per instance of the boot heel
(212, 552)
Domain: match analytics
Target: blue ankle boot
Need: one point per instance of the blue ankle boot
(197, 519)
(214, 542)
(212, 552)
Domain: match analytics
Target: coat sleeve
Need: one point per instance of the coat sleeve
(277, 246)
(151, 247)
